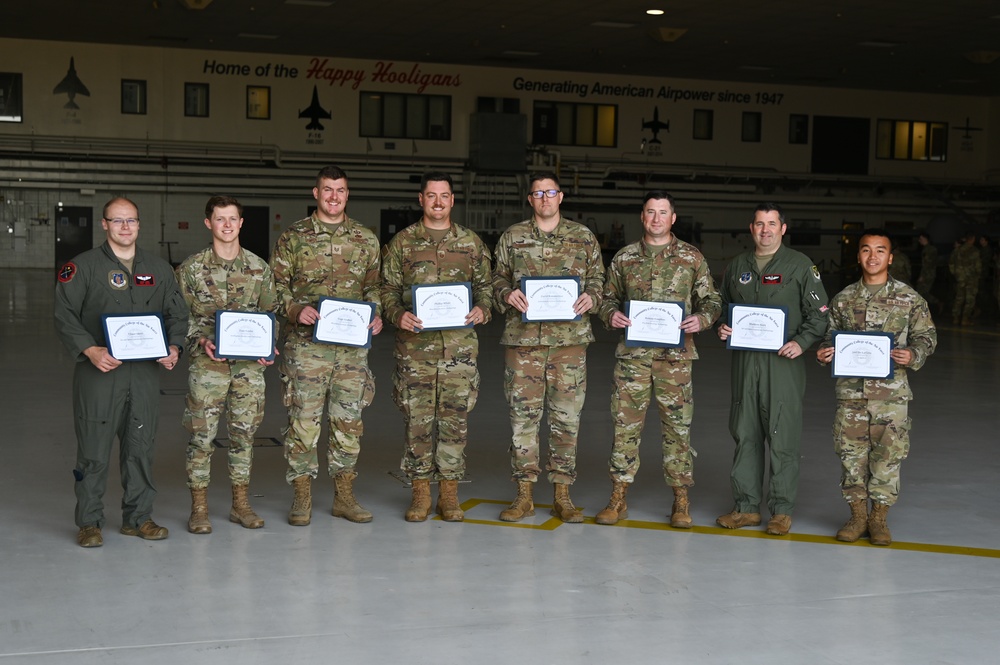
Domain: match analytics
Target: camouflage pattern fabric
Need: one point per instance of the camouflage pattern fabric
(209, 284)
(435, 397)
(436, 378)
(871, 427)
(965, 266)
(900, 267)
(928, 272)
(536, 377)
(310, 260)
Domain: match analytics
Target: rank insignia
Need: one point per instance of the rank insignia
(547, 252)
(117, 279)
(337, 250)
(770, 279)
(145, 280)
(67, 272)
(745, 278)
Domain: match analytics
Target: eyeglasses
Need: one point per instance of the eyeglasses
(548, 193)
(118, 221)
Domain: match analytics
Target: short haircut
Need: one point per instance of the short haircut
(658, 194)
(436, 176)
(882, 233)
(119, 199)
(330, 172)
(767, 206)
(924, 234)
(543, 175)
(222, 202)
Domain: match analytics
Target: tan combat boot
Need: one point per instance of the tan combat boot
(523, 505)
(679, 517)
(241, 512)
(198, 522)
(855, 527)
(878, 530)
(563, 507)
(616, 508)
(344, 503)
(302, 504)
(420, 506)
(447, 505)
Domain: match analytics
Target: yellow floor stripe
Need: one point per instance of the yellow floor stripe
(553, 523)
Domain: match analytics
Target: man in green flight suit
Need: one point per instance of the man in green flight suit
(111, 397)
(767, 386)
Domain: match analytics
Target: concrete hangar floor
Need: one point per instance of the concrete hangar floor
(486, 592)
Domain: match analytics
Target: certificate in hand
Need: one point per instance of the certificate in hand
(654, 324)
(757, 327)
(135, 336)
(344, 321)
(550, 298)
(440, 306)
(862, 354)
(248, 335)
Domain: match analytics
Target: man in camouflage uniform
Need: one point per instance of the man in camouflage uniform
(223, 276)
(965, 266)
(768, 387)
(901, 269)
(871, 430)
(437, 379)
(660, 267)
(546, 362)
(928, 268)
(327, 254)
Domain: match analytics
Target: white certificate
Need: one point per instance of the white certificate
(244, 335)
(550, 298)
(442, 305)
(654, 323)
(862, 354)
(343, 321)
(135, 336)
(757, 327)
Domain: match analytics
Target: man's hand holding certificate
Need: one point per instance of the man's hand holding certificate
(756, 327)
(550, 299)
(442, 306)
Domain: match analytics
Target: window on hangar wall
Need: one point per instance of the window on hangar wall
(133, 97)
(916, 140)
(404, 116)
(566, 123)
(196, 100)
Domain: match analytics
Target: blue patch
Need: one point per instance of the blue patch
(117, 279)
(745, 278)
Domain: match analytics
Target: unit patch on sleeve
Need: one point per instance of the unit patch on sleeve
(770, 279)
(67, 272)
(145, 280)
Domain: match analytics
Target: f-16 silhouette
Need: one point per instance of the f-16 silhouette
(72, 86)
(314, 112)
(655, 125)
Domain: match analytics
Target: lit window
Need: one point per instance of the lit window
(566, 123)
(912, 140)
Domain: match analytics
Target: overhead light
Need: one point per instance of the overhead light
(612, 24)
(878, 44)
(522, 54)
(310, 3)
(254, 35)
(655, 12)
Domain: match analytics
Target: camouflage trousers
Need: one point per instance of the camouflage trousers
(636, 380)
(536, 377)
(435, 392)
(872, 438)
(318, 375)
(965, 299)
(236, 386)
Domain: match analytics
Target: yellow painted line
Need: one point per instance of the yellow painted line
(554, 522)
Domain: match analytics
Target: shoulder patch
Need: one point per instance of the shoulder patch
(815, 272)
(67, 272)
(145, 280)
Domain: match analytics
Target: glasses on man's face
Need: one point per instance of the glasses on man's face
(118, 221)
(547, 193)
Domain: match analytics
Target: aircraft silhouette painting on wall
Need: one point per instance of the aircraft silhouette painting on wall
(314, 112)
(655, 125)
(71, 85)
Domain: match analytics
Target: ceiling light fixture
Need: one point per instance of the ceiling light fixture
(655, 12)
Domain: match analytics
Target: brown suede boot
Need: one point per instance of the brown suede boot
(878, 530)
(447, 505)
(302, 504)
(563, 507)
(241, 512)
(679, 517)
(616, 508)
(198, 522)
(344, 503)
(420, 505)
(855, 527)
(523, 505)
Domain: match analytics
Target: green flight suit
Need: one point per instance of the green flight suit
(124, 401)
(767, 389)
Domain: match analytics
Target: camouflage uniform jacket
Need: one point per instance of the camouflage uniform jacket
(208, 285)
(900, 267)
(525, 251)
(896, 309)
(678, 272)
(312, 259)
(965, 263)
(928, 264)
(413, 257)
